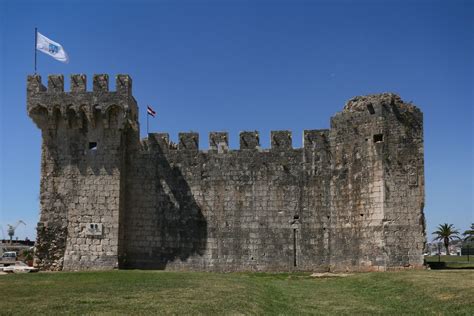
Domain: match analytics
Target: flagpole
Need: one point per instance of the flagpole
(36, 41)
(147, 117)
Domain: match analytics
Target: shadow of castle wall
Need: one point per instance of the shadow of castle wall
(227, 210)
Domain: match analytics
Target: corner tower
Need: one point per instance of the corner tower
(85, 136)
(377, 185)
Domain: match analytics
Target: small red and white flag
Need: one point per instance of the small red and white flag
(150, 111)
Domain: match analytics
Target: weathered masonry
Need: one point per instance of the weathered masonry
(350, 199)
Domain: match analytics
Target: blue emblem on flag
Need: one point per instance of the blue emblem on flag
(53, 49)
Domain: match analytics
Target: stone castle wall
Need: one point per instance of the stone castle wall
(228, 210)
(350, 199)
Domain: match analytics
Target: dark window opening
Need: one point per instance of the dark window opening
(378, 138)
(370, 107)
(93, 146)
(361, 214)
(296, 217)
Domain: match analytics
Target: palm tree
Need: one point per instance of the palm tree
(446, 233)
(469, 233)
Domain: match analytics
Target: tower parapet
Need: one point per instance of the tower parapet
(46, 105)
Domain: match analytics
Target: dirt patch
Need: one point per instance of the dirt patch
(445, 296)
(330, 275)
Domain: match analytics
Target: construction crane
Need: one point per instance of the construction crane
(11, 229)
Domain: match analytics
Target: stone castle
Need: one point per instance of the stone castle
(351, 199)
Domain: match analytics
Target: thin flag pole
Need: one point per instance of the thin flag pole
(149, 112)
(36, 41)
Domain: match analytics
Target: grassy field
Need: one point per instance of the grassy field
(153, 292)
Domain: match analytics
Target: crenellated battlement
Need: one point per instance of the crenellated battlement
(47, 105)
(78, 84)
(248, 140)
(219, 141)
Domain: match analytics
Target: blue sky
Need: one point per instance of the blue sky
(250, 65)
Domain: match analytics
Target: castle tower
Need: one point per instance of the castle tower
(377, 185)
(83, 163)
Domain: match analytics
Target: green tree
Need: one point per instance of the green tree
(469, 233)
(446, 233)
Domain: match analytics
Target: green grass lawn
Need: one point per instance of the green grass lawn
(157, 292)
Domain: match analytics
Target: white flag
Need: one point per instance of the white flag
(51, 48)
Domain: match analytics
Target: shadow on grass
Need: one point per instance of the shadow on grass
(450, 265)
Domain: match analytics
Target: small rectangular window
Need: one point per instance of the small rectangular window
(93, 146)
(378, 138)
(370, 107)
